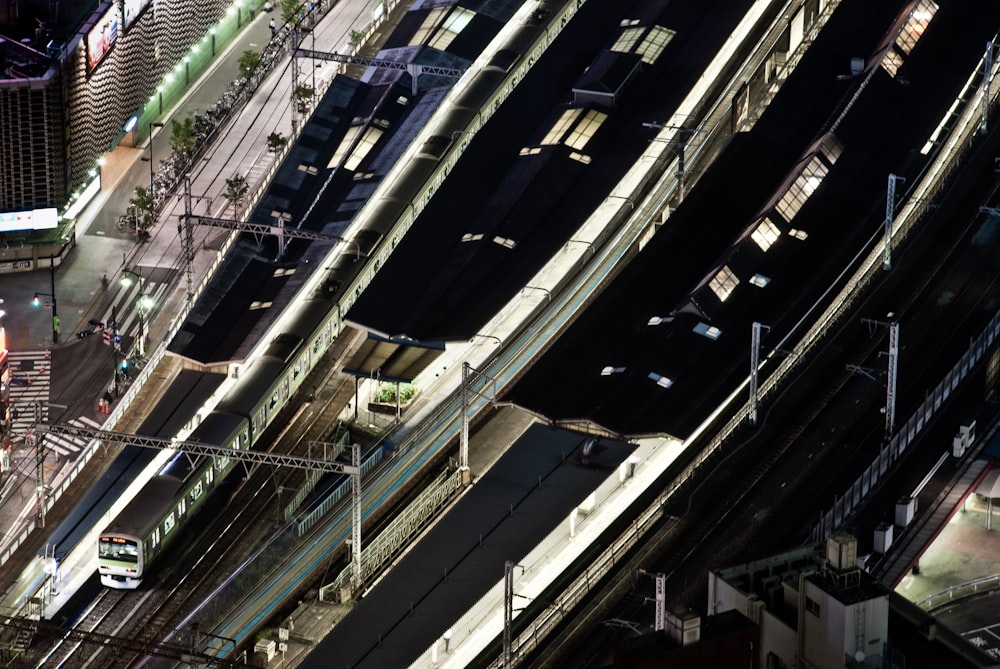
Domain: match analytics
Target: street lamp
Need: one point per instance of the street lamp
(144, 304)
(55, 312)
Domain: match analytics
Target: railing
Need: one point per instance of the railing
(404, 526)
(978, 586)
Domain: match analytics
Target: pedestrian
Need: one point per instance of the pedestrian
(273, 29)
(13, 412)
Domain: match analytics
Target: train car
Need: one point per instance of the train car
(185, 395)
(310, 325)
(147, 526)
(152, 520)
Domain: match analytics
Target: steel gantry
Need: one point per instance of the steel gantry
(190, 219)
(413, 69)
(198, 448)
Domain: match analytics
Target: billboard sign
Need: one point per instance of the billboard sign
(35, 219)
(131, 9)
(102, 37)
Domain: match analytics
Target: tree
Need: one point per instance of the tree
(275, 142)
(141, 207)
(248, 63)
(291, 10)
(236, 191)
(303, 96)
(182, 136)
(356, 38)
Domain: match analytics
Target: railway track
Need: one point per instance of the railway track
(760, 502)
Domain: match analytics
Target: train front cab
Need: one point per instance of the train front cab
(120, 561)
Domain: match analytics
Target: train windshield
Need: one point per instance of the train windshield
(117, 548)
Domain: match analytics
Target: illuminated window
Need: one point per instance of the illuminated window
(585, 129)
(759, 280)
(197, 490)
(368, 141)
(345, 145)
(627, 40)
(892, 62)
(654, 44)
(259, 305)
(182, 506)
(433, 17)
(802, 188)
(706, 330)
(168, 523)
(765, 234)
(472, 237)
(154, 538)
(724, 283)
(660, 380)
(449, 30)
(798, 234)
(562, 126)
(580, 157)
(916, 25)
(531, 151)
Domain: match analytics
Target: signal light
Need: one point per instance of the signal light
(35, 300)
(124, 363)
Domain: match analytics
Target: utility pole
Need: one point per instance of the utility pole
(755, 333)
(682, 136)
(114, 347)
(890, 215)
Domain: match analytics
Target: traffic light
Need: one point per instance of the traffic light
(124, 362)
(35, 301)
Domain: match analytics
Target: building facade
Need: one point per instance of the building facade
(64, 104)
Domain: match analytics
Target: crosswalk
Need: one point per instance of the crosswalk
(29, 402)
(134, 305)
(29, 387)
(69, 446)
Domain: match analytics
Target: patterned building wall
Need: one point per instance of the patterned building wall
(127, 77)
(49, 148)
(31, 151)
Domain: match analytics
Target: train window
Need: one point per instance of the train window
(209, 476)
(258, 421)
(284, 388)
(118, 548)
(154, 538)
(245, 438)
(182, 506)
(197, 490)
(168, 523)
(274, 401)
(296, 370)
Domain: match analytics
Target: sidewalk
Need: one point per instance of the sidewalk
(79, 370)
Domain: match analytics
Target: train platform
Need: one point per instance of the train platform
(66, 375)
(956, 576)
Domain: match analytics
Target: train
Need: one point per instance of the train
(146, 527)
